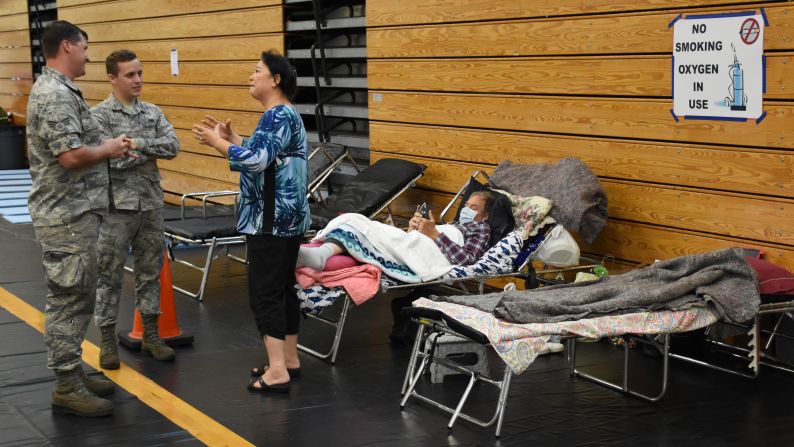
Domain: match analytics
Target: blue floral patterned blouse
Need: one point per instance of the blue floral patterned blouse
(273, 170)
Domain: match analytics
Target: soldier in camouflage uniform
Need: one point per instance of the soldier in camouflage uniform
(67, 202)
(136, 217)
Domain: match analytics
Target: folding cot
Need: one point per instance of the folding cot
(372, 190)
(500, 261)
(518, 344)
(323, 160)
(369, 192)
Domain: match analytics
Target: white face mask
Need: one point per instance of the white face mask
(467, 215)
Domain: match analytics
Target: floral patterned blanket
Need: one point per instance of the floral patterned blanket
(518, 344)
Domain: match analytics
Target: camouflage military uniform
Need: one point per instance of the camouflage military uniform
(136, 217)
(67, 208)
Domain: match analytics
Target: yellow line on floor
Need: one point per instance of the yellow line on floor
(198, 424)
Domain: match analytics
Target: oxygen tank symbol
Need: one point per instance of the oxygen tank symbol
(737, 100)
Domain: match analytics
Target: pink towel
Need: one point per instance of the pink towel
(361, 282)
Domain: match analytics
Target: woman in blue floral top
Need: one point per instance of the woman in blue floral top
(273, 212)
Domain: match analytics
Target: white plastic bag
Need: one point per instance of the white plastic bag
(559, 249)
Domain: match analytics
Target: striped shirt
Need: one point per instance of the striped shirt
(475, 242)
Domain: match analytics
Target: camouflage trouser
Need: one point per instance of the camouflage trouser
(70, 268)
(143, 230)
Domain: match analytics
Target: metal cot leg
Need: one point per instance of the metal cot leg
(414, 355)
(339, 325)
(624, 387)
(205, 271)
(503, 393)
(414, 373)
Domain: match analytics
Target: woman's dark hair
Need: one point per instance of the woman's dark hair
(279, 65)
(55, 33)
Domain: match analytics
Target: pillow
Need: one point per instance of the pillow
(771, 278)
(336, 262)
(500, 219)
(529, 212)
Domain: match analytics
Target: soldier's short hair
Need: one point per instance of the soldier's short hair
(55, 33)
(113, 59)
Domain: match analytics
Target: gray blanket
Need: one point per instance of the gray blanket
(720, 277)
(580, 203)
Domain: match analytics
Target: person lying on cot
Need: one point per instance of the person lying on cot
(473, 226)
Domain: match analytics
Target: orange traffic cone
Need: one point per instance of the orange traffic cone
(167, 324)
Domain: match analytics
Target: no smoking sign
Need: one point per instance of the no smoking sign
(718, 70)
(750, 31)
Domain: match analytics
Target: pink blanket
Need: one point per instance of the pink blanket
(361, 282)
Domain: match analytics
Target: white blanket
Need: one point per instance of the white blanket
(413, 249)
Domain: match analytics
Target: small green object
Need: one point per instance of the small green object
(600, 271)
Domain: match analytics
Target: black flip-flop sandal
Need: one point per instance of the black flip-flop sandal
(294, 373)
(265, 388)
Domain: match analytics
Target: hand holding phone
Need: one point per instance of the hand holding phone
(424, 210)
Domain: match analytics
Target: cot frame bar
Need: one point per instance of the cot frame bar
(211, 245)
(753, 354)
(338, 325)
(414, 373)
(623, 387)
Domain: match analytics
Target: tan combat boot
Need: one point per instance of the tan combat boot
(109, 348)
(151, 343)
(71, 396)
(97, 385)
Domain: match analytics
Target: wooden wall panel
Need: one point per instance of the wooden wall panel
(136, 9)
(596, 75)
(9, 7)
(408, 12)
(67, 3)
(187, 143)
(185, 117)
(15, 54)
(222, 97)
(13, 103)
(192, 73)
(731, 215)
(646, 243)
(234, 48)
(609, 34)
(226, 23)
(745, 170)
(16, 70)
(14, 22)
(214, 168)
(460, 86)
(175, 184)
(617, 117)
(15, 86)
(19, 38)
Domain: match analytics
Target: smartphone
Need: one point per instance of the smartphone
(424, 210)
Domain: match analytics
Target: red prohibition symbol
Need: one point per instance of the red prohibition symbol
(749, 31)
